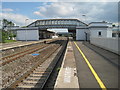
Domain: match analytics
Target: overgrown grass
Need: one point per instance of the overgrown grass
(9, 41)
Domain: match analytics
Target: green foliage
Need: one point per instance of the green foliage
(6, 23)
(8, 41)
(14, 35)
(3, 36)
(23, 26)
(58, 69)
(113, 25)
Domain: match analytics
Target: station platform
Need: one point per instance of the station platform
(67, 77)
(87, 66)
(5, 46)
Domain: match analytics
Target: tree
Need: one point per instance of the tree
(11, 23)
(9, 32)
(113, 25)
(4, 35)
(6, 23)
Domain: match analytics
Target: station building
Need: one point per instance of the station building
(101, 34)
(80, 30)
(39, 29)
(33, 33)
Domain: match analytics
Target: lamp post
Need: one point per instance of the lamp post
(26, 29)
(84, 17)
(85, 31)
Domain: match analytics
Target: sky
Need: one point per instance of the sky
(18, 12)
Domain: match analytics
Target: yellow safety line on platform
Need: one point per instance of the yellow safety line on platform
(91, 68)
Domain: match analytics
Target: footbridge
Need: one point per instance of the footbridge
(70, 24)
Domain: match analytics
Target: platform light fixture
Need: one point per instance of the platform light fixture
(84, 17)
(26, 29)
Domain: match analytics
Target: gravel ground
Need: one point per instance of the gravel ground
(52, 79)
(15, 50)
(13, 70)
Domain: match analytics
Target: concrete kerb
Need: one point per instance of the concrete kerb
(67, 77)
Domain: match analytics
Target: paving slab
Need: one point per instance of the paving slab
(67, 77)
(107, 71)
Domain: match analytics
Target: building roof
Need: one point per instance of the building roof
(57, 19)
(99, 22)
(28, 28)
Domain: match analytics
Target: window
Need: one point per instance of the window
(99, 33)
(59, 22)
(119, 35)
(55, 22)
(37, 23)
(52, 22)
(40, 22)
(113, 34)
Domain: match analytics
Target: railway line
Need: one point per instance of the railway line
(13, 49)
(9, 58)
(22, 70)
(28, 70)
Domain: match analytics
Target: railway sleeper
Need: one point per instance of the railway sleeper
(31, 84)
(39, 72)
(33, 75)
(31, 81)
(34, 79)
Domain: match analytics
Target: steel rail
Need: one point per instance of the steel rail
(14, 85)
(23, 53)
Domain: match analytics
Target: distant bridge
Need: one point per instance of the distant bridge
(70, 24)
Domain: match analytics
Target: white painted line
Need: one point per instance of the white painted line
(69, 47)
(67, 75)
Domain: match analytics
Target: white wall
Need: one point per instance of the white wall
(80, 34)
(105, 32)
(109, 33)
(27, 35)
(94, 32)
(110, 44)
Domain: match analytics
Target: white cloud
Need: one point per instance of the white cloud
(94, 11)
(37, 13)
(55, 10)
(17, 18)
(7, 10)
(60, 0)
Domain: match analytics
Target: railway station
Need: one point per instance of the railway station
(88, 59)
(38, 28)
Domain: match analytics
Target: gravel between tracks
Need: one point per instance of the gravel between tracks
(13, 70)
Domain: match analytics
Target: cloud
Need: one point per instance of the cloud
(7, 10)
(17, 18)
(94, 11)
(38, 13)
(55, 10)
(60, 0)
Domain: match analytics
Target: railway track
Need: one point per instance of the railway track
(15, 56)
(37, 75)
(8, 59)
(14, 50)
